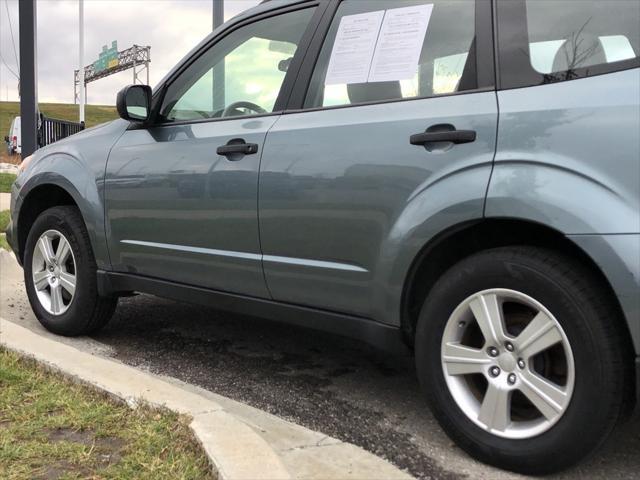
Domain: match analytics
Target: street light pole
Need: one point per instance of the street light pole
(218, 95)
(28, 76)
(218, 13)
(81, 84)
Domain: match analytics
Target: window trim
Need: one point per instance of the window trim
(516, 70)
(287, 84)
(485, 66)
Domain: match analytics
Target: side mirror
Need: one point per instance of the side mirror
(134, 103)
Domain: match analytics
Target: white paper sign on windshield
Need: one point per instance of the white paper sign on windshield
(399, 44)
(353, 48)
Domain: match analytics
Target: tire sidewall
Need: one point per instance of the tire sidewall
(78, 313)
(580, 427)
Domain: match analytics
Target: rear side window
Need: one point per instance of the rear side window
(381, 50)
(547, 41)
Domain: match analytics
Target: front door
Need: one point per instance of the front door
(346, 181)
(181, 195)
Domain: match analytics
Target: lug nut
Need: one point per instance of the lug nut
(511, 378)
(494, 371)
(521, 363)
(509, 346)
(492, 351)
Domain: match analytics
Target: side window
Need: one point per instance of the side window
(566, 39)
(379, 50)
(240, 75)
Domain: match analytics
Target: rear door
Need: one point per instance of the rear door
(181, 195)
(356, 150)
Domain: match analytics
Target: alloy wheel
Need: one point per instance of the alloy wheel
(508, 363)
(54, 272)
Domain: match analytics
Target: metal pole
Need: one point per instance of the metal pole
(218, 13)
(218, 95)
(82, 86)
(28, 76)
(135, 52)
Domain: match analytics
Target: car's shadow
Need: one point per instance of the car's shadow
(327, 383)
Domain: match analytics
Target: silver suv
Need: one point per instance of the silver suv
(461, 178)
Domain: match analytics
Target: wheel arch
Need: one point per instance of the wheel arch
(40, 197)
(462, 240)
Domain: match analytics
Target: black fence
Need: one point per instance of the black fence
(52, 129)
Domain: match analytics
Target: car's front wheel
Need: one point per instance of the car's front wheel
(521, 358)
(60, 275)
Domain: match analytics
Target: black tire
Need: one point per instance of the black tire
(589, 319)
(88, 312)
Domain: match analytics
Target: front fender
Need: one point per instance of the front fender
(67, 173)
(77, 165)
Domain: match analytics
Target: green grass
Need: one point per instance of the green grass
(6, 179)
(4, 220)
(53, 428)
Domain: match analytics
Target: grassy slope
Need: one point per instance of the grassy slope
(51, 428)
(94, 115)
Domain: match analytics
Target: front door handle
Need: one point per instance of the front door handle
(454, 136)
(237, 147)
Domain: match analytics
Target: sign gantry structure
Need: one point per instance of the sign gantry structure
(111, 61)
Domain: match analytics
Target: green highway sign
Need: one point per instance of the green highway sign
(108, 58)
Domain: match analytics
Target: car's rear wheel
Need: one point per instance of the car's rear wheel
(60, 275)
(522, 359)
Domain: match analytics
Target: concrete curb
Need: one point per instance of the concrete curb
(240, 441)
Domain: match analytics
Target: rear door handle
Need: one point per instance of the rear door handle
(237, 146)
(454, 136)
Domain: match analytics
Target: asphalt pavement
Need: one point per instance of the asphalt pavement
(333, 385)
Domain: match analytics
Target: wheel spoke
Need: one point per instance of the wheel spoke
(488, 313)
(63, 251)
(545, 396)
(541, 334)
(56, 299)
(40, 279)
(495, 411)
(68, 282)
(46, 249)
(462, 360)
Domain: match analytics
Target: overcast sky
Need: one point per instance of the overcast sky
(170, 27)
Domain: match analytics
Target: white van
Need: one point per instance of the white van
(14, 139)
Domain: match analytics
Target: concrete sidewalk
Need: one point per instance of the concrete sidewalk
(241, 442)
(5, 202)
